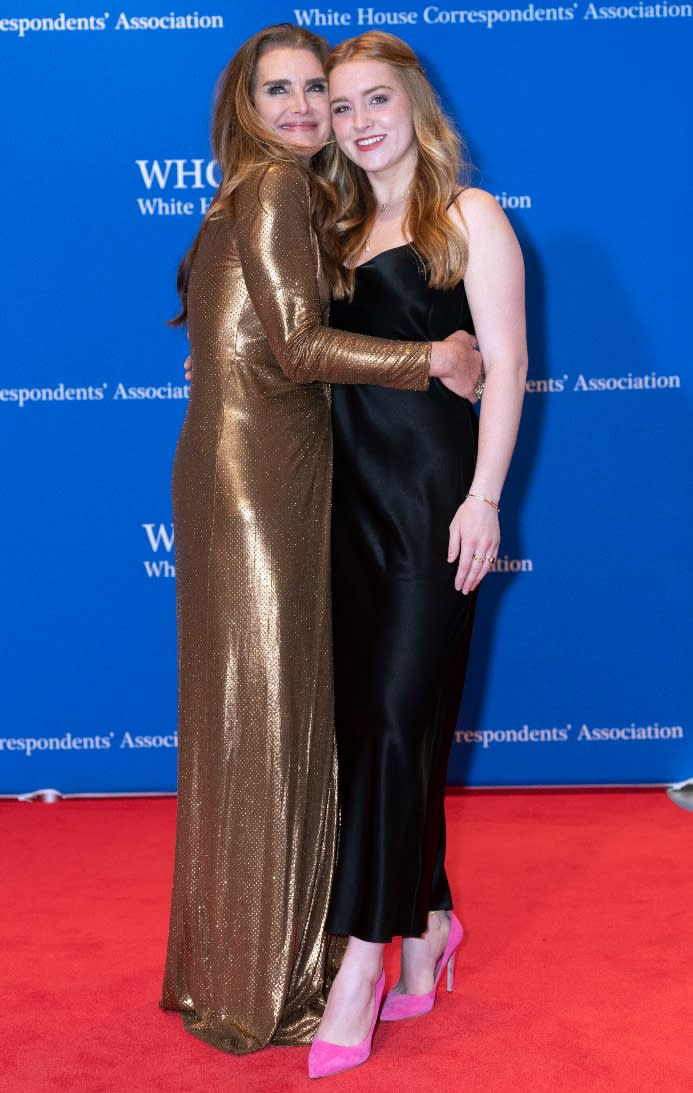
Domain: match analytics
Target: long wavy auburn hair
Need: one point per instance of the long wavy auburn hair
(441, 172)
(241, 142)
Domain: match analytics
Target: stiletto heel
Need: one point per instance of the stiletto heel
(399, 1006)
(450, 973)
(325, 1058)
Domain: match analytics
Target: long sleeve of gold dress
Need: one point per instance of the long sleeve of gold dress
(257, 807)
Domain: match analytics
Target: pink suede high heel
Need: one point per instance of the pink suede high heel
(399, 1006)
(325, 1058)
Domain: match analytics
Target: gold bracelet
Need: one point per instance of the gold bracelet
(486, 500)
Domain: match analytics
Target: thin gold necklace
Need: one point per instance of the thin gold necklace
(385, 207)
(395, 200)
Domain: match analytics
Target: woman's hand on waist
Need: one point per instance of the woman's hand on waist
(457, 363)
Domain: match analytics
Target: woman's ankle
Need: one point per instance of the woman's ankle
(365, 956)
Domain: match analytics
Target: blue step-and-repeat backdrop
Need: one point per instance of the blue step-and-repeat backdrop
(576, 115)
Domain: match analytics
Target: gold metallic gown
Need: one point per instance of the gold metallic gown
(257, 808)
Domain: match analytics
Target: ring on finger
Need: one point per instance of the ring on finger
(478, 558)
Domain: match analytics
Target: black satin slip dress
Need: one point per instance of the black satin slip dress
(403, 462)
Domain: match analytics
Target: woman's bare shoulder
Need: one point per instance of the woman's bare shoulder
(481, 218)
(472, 203)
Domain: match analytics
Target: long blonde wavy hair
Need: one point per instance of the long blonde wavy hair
(441, 172)
(241, 142)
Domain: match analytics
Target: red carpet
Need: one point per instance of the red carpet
(575, 975)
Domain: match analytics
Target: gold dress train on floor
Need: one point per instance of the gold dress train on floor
(257, 808)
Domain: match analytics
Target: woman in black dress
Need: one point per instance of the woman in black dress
(415, 521)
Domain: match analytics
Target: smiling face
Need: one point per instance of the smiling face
(372, 117)
(290, 95)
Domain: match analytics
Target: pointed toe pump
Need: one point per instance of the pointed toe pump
(399, 1006)
(325, 1058)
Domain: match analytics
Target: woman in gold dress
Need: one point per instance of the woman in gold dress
(257, 809)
